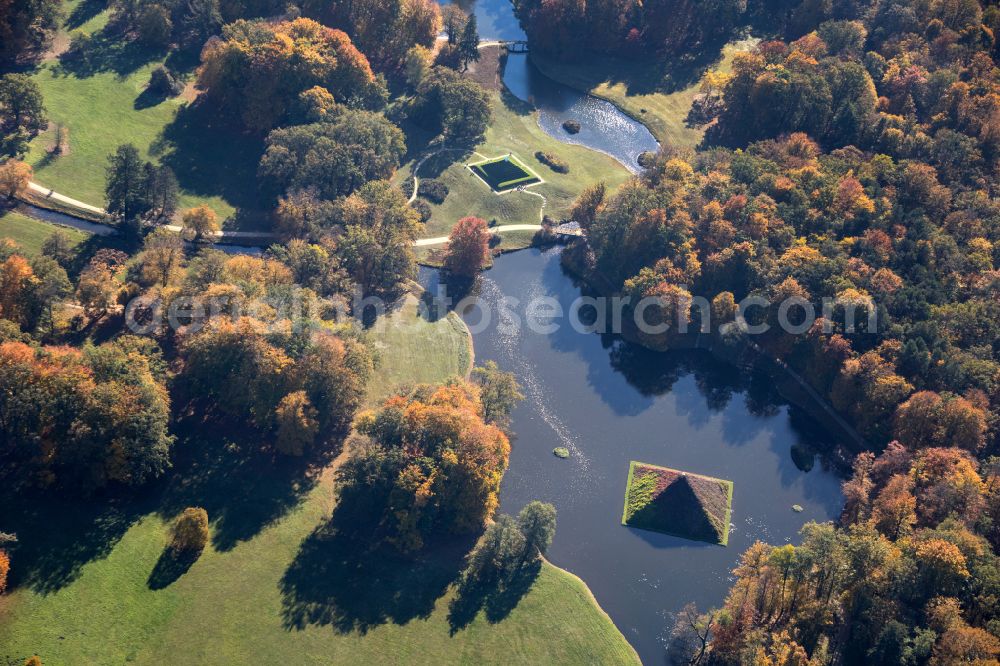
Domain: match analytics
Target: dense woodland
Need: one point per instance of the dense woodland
(853, 154)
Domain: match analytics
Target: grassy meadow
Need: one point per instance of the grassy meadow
(247, 605)
(100, 103)
(413, 350)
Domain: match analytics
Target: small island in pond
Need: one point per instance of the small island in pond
(690, 506)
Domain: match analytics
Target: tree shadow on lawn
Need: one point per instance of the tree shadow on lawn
(210, 157)
(496, 597)
(184, 59)
(654, 73)
(345, 577)
(147, 99)
(83, 12)
(59, 533)
(515, 103)
(222, 467)
(244, 488)
(170, 567)
(436, 164)
(435, 305)
(107, 51)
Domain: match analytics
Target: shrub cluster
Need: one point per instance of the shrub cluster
(163, 83)
(553, 162)
(433, 190)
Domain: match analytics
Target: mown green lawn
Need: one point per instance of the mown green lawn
(412, 349)
(232, 607)
(101, 104)
(99, 113)
(30, 233)
(640, 90)
(514, 129)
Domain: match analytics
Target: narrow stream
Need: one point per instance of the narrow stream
(610, 402)
(56, 217)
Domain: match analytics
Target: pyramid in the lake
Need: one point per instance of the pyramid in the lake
(679, 503)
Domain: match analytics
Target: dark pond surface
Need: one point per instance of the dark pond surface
(610, 402)
(603, 126)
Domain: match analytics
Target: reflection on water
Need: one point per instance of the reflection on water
(602, 126)
(494, 19)
(610, 402)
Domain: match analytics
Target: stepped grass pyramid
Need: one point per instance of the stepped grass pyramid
(690, 506)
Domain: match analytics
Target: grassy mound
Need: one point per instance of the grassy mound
(412, 349)
(687, 505)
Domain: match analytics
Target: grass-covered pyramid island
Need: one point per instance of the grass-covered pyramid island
(678, 503)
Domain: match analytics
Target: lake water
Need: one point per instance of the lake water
(610, 402)
(603, 126)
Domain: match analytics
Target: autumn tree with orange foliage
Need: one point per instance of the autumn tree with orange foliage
(307, 399)
(906, 571)
(14, 178)
(86, 418)
(258, 69)
(431, 460)
(383, 29)
(16, 281)
(933, 420)
(468, 247)
(200, 223)
(189, 533)
(297, 424)
(4, 570)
